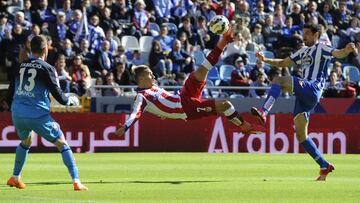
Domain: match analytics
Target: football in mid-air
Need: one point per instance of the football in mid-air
(219, 25)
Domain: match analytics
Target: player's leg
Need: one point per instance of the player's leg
(225, 107)
(301, 121)
(49, 129)
(213, 57)
(279, 83)
(22, 151)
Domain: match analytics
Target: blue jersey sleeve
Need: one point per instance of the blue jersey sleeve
(54, 88)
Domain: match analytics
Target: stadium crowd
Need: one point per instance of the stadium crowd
(99, 41)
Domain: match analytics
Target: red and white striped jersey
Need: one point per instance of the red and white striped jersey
(156, 101)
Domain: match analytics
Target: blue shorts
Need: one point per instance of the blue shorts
(307, 94)
(45, 126)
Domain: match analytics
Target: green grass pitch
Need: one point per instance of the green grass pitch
(184, 177)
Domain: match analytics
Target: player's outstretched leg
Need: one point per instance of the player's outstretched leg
(22, 152)
(301, 126)
(69, 162)
(278, 83)
(225, 107)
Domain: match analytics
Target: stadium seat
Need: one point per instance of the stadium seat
(210, 93)
(252, 57)
(145, 43)
(130, 43)
(199, 57)
(268, 54)
(213, 74)
(335, 41)
(172, 28)
(353, 72)
(154, 29)
(145, 56)
(225, 72)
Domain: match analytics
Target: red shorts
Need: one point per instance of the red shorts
(191, 101)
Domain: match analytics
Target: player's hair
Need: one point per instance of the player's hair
(139, 71)
(313, 27)
(38, 43)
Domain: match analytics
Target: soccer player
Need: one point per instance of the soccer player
(29, 95)
(315, 58)
(188, 105)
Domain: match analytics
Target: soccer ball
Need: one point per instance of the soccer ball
(219, 24)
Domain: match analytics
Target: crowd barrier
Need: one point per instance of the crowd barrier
(95, 132)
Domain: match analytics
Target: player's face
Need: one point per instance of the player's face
(309, 37)
(148, 78)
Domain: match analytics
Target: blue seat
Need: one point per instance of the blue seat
(353, 72)
(172, 28)
(154, 29)
(213, 74)
(251, 57)
(335, 41)
(225, 72)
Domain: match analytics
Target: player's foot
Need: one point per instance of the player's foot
(79, 187)
(324, 172)
(260, 114)
(248, 128)
(12, 182)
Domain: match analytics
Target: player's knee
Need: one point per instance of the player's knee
(59, 143)
(222, 106)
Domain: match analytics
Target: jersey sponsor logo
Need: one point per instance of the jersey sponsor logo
(307, 60)
(30, 65)
(206, 109)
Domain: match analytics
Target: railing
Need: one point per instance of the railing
(179, 87)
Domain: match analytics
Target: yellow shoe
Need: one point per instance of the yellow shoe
(79, 187)
(12, 182)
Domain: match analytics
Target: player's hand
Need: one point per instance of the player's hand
(121, 130)
(73, 101)
(350, 47)
(227, 36)
(260, 56)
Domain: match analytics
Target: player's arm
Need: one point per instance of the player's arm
(138, 108)
(342, 53)
(287, 62)
(54, 87)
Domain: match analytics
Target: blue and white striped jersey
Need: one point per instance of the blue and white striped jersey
(315, 61)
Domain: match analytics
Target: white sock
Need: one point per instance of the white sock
(76, 181)
(229, 111)
(17, 177)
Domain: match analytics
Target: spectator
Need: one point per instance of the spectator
(5, 26)
(312, 12)
(96, 33)
(163, 10)
(140, 19)
(185, 45)
(258, 17)
(113, 91)
(52, 51)
(342, 16)
(120, 54)
(44, 14)
(158, 61)
(279, 16)
(296, 14)
(235, 49)
(336, 88)
(87, 57)
(260, 82)
(28, 11)
(271, 33)
(224, 9)
(122, 75)
(259, 68)
(324, 38)
(25, 51)
(104, 59)
(165, 40)
(108, 23)
(258, 38)
(63, 75)
(59, 29)
(288, 32)
(121, 13)
(189, 30)
(240, 77)
(67, 50)
(205, 38)
(180, 10)
(338, 70)
(113, 43)
(328, 15)
(205, 11)
(356, 59)
(74, 25)
(20, 19)
(353, 32)
(244, 31)
(66, 9)
(80, 76)
(242, 10)
(35, 31)
(182, 61)
(137, 59)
